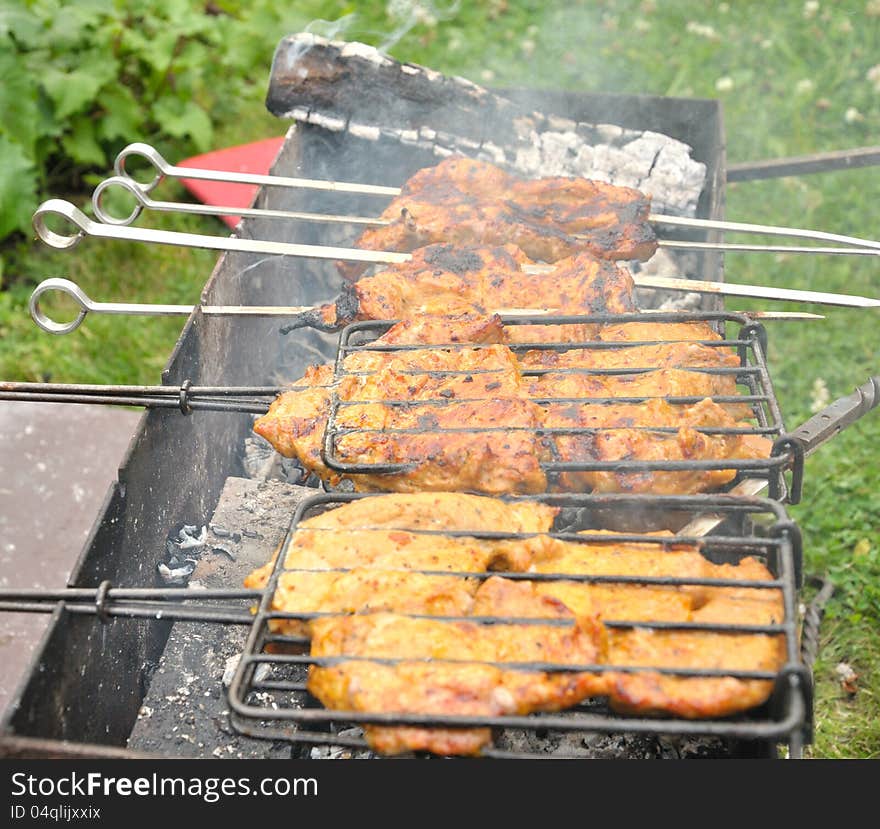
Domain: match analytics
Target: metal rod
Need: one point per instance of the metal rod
(166, 170)
(764, 230)
(144, 202)
(160, 612)
(804, 164)
(163, 168)
(682, 244)
(109, 390)
(237, 406)
(66, 210)
(757, 291)
(86, 305)
(86, 226)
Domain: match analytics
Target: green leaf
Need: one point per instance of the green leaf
(18, 184)
(157, 51)
(72, 24)
(184, 118)
(21, 23)
(123, 114)
(81, 143)
(75, 90)
(18, 103)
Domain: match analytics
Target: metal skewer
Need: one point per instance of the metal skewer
(86, 226)
(66, 210)
(164, 169)
(144, 202)
(88, 305)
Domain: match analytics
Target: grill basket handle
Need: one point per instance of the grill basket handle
(835, 417)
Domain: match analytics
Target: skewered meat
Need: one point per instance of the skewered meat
(467, 202)
(444, 279)
(466, 418)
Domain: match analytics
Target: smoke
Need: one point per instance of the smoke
(410, 13)
(405, 15)
(332, 29)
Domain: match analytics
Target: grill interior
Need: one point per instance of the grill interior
(269, 699)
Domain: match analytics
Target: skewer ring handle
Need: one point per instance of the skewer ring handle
(65, 286)
(126, 183)
(64, 209)
(151, 155)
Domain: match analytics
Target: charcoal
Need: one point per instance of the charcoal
(339, 86)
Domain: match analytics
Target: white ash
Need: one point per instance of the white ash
(176, 575)
(334, 123)
(366, 131)
(260, 673)
(353, 48)
(337, 752)
(259, 457)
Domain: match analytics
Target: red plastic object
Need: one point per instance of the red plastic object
(246, 158)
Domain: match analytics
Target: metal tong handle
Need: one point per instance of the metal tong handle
(164, 169)
(143, 201)
(835, 417)
(811, 435)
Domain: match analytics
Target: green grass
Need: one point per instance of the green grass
(787, 80)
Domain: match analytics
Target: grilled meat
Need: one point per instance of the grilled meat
(631, 432)
(443, 667)
(469, 202)
(384, 554)
(467, 418)
(399, 664)
(476, 459)
(444, 279)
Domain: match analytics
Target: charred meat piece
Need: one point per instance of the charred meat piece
(445, 279)
(469, 202)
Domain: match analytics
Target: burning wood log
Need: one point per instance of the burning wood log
(354, 87)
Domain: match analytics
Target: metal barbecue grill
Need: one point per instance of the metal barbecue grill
(750, 343)
(269, 698)
(177, 468)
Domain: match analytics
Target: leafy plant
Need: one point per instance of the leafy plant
(82, 79)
